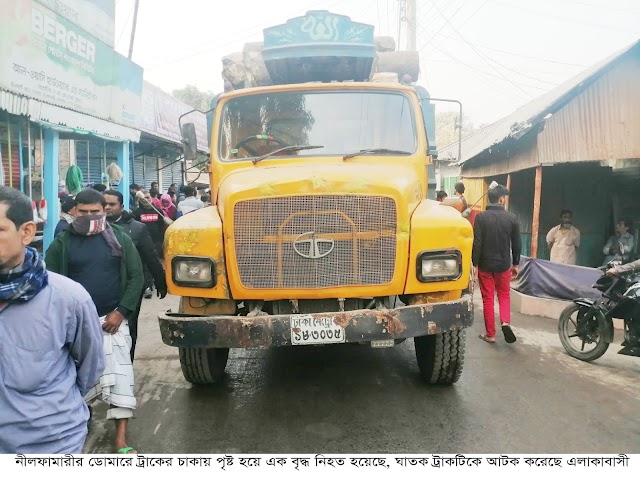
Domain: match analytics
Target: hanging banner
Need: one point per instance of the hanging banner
(160, 114)
(46, 57)
(97, 17)
(126, 91)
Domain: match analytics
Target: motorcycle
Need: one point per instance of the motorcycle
(586, 326)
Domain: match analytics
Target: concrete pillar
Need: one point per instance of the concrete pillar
(123, 163)
(51, 183)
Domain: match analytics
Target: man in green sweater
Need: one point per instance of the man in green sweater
(104, 260)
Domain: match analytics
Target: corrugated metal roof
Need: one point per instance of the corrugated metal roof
(599, 124)
(523, 119)
(60, 118)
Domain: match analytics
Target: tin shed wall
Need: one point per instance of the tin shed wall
(600, 123)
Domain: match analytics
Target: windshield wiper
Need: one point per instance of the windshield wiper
(374, 151)
(294, 148)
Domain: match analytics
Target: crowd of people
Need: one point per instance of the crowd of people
(79, 348)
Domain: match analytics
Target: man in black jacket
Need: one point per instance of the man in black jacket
(146, 214)
(496, 255)
(139, 234)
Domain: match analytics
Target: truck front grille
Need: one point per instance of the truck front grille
(312, 242)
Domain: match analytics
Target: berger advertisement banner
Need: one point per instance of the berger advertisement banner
(46, 57)
(97, 17)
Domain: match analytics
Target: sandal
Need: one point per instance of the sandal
(486, 338)
(126, 450)
(509, 336)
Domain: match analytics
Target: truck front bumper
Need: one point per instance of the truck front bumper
(185, 330)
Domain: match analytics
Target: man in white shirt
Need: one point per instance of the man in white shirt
(190, 203)
(564, 240)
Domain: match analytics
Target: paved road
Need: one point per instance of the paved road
(529, 397)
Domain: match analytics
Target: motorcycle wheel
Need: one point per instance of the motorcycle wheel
(582, 338)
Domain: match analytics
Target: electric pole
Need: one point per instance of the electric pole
(401, 19)
(133, 28)
(411, 19)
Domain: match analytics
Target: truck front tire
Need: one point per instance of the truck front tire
(203, 366)
(441, 356)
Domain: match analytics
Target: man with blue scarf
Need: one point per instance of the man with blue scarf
(51, 350)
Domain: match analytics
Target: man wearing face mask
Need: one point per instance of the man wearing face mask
(564, 240)
(104, 260)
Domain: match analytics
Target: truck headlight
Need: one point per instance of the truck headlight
(188, 271)
(442, 265)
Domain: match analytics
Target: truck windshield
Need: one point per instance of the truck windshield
(341, 122)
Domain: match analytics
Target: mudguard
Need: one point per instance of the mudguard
(584, 302)
(606, 321)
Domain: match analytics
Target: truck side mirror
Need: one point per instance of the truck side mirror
(189, 141)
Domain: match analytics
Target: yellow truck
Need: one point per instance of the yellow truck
(320, 231)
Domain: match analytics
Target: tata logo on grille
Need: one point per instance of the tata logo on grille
(307, 245)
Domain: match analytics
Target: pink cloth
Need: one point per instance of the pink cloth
(167, 206)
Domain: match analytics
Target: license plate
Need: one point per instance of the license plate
(315, 329)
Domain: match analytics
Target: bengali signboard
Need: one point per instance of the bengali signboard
(126, 91)
(97, 17)
(160, 114)
(46, 57)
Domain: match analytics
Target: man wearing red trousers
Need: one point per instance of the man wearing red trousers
(496, 255)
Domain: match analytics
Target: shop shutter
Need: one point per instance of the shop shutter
(138, 170)
(166, 175)
(176, 171)
(82, 159)
(171, 173)
(150, 172)
(89, 156)
(14, 179)
(10, 167)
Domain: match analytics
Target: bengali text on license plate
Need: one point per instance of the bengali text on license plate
(310, 329)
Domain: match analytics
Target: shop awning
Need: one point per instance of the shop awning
(65, 120)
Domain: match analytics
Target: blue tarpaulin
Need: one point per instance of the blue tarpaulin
(540, 278)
